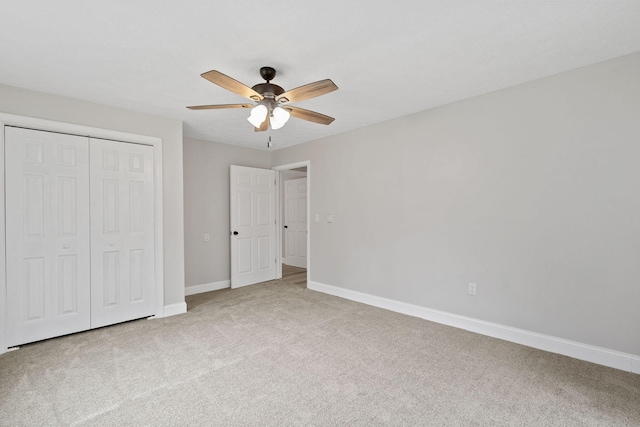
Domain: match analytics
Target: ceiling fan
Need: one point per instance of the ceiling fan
(271, 101)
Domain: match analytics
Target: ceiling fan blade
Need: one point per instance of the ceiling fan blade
(219, 106)
(307, 91)
(232, 85)
(310, 116)
(264, 126)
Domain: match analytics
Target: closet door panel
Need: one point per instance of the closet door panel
(122, 232)
(47, 224)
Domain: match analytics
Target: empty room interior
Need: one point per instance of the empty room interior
(334, 213)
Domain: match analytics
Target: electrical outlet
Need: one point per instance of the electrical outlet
(207, 237)
(473, 288)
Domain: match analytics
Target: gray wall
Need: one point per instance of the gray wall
(532, 192)
(51, 107)
(206, 201)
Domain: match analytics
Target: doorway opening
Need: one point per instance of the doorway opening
(294, 236)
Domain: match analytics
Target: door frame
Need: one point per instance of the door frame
(279, 169)
(91, 132)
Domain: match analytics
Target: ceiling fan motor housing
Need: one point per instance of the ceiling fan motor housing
(268, 90)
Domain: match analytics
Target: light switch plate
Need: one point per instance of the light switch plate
(329, 218)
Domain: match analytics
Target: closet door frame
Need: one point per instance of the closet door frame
(91, 132)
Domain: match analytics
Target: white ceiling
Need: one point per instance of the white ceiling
(389, 58)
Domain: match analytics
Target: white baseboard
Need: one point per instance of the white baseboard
(174, 309)
(207, 287)
(602, 356)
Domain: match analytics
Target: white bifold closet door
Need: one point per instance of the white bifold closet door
(47, 239)
(122, 227)
(80, 233)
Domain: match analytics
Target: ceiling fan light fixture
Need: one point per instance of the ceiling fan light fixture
(258, 114)
(279, 117)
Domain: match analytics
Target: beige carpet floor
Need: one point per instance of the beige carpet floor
(278, 354)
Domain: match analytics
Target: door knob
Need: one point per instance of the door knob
(65, 246)
(235, 233)
(286, 226)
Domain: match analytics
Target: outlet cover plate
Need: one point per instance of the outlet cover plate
(473, 289)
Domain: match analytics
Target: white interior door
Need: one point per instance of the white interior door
(122, 232)
(47, 223)
(295, 222)
(253, 225)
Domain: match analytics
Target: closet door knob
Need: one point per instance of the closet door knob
(65, 246)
